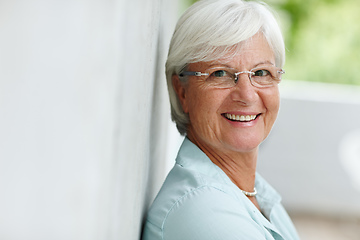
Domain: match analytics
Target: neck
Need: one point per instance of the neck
(240, 167)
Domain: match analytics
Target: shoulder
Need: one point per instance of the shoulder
(199, 208)
(185, 189)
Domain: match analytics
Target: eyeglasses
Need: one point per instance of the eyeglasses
(222, 77)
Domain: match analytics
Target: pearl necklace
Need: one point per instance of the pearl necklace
(250, 194)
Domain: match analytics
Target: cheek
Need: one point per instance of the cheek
(276, 102)
(204, 104)
(272, 104)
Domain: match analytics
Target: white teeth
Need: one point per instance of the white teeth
(241, 118)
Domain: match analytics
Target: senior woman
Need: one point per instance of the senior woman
(223, 69)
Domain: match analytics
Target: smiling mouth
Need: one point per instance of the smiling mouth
(240, 118)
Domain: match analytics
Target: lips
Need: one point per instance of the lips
(240, 118)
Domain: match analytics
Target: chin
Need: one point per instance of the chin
(244, 145)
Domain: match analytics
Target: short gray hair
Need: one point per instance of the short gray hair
(209, 30)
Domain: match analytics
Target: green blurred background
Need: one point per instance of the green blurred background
(322, 39)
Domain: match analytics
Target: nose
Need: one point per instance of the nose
(244, 91)
(237, 75)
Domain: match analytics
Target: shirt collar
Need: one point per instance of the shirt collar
(191, 157)
(267, 196)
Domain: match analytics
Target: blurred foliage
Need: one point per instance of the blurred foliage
(322, 39)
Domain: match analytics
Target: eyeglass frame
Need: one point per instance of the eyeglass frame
(236, 78)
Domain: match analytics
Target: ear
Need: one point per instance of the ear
(180, 90)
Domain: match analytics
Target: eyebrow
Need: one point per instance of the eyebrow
(266, 62)
(227, 66)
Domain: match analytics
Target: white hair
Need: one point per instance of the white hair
(210, 30)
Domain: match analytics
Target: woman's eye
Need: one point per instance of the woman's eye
(219, 73)
(262, 73)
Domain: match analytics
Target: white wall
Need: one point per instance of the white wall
(312, 156)
(84, 116)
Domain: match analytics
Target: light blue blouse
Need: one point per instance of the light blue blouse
(198, 201)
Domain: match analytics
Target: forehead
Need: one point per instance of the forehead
(247, 54)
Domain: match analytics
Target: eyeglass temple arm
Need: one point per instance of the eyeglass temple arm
(182, 74)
